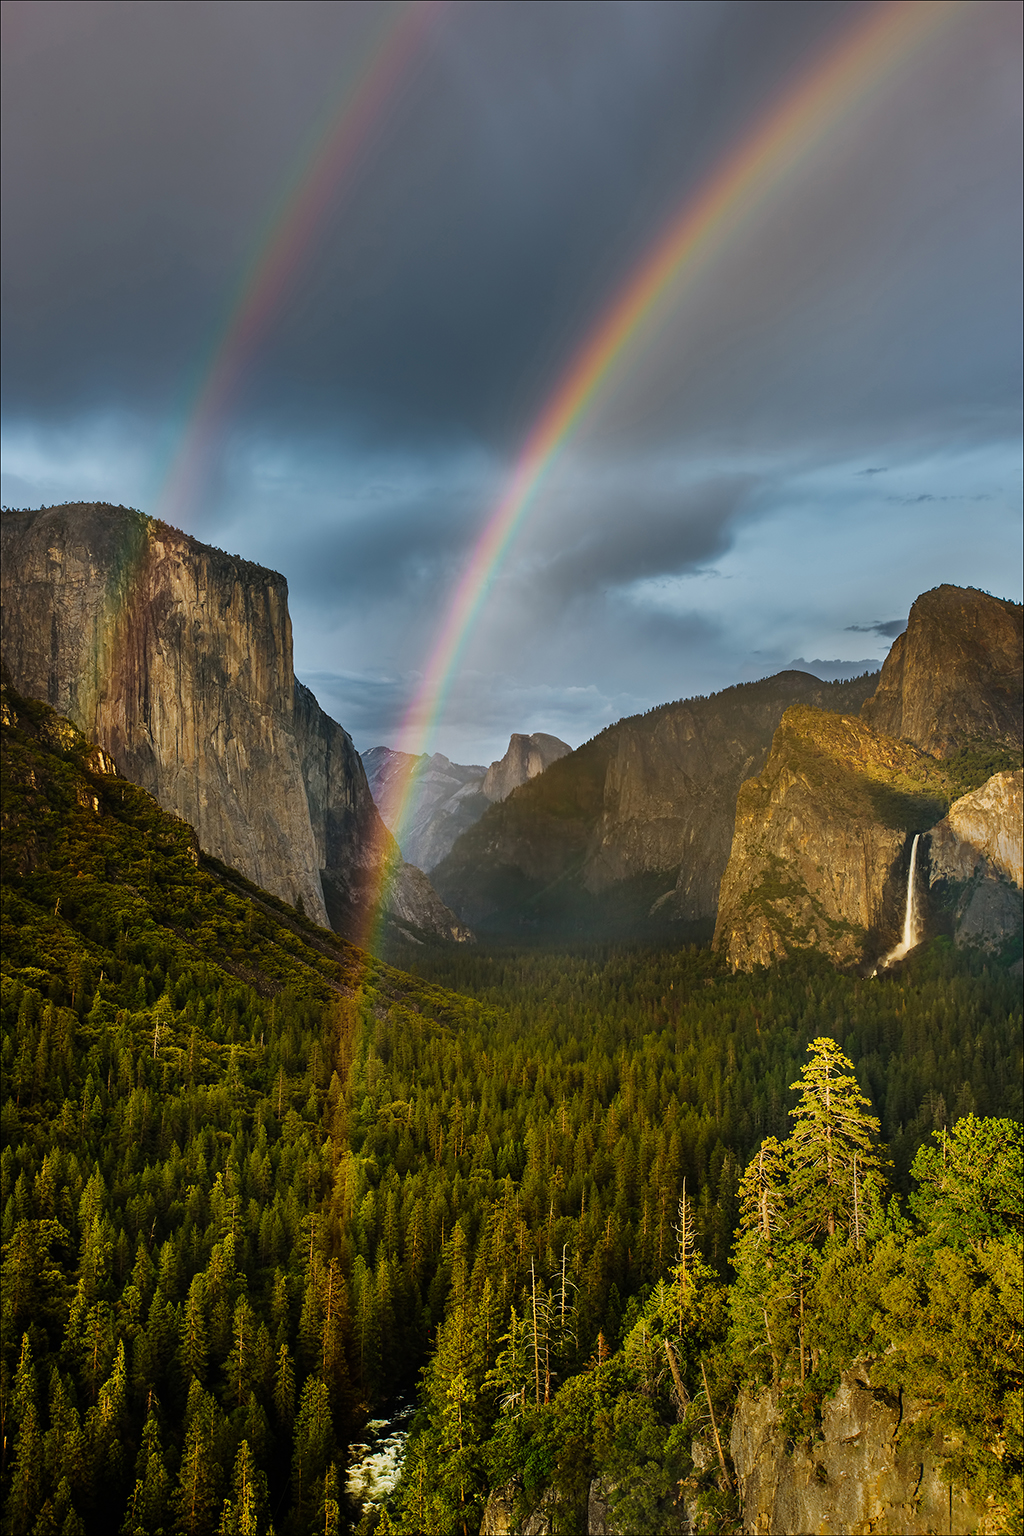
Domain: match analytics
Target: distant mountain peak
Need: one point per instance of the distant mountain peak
(437, 800)
(525, 758)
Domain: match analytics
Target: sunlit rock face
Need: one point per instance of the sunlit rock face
(177, 659)
(955, 675)
(857, 1475)
(820, 850)
(821, 840)
(975, 860)
(634, 827)
(985, 828)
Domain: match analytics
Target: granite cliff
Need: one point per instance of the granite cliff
(177, 659)
(632, 831)
(975, 859)
(446, 798)
(525, 758)
(857, 1475)
(955, 675)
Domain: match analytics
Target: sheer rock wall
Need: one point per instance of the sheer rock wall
(177, 659)
(955, 675)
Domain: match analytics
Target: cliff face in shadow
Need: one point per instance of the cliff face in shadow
(975, 862)
(177, 659)
(634, 828)
(955, 675)
(437, 800)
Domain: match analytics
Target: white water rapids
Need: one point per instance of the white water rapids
(911, 923)
(375, 1464)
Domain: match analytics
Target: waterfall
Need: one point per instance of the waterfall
(910, 919)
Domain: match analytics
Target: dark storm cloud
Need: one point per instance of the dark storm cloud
(402, 551)
(890, 628)
(641, 526)
(515, 177)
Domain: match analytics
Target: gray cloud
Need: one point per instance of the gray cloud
(644, 524)
(890, 628)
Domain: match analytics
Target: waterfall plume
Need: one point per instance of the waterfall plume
(911, 922)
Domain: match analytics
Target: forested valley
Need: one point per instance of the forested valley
(257, 1186)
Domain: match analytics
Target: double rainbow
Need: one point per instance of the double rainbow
(793, 131)
(796, 128)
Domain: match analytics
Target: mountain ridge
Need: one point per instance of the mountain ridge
(638, 818)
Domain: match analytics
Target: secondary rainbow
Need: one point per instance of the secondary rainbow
(793, 130)
(329, 154)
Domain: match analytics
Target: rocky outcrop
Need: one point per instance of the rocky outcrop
(436, 799)
(177, 660)
(975, 860)
(820, 848)
(500, 1514)
(821, 841)
(417, 912)
(632, 831)
(983, 830)
(955, 675)
(500, 1518)
(525, 758)
(860, 1475)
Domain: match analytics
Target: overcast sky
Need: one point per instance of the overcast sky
(821, 426)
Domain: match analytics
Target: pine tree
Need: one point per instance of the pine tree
(196, 1498)
(26, 1476)
(832, 1153)
(147, 1504)
(245, 1512)
(284, 1389)
(313, 1444)
(193, 1334)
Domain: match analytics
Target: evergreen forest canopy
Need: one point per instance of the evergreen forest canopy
(256, 1185)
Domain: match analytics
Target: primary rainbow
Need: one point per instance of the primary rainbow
(329, 152)
(793, 130)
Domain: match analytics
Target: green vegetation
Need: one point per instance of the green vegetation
(180, 1333)
(253, 1183)
(823, 1270)
(971, 766)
